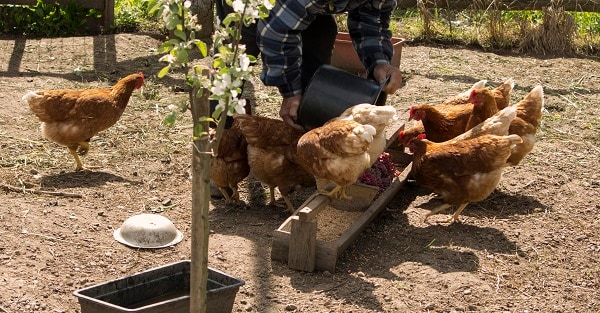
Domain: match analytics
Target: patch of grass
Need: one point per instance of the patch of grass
(549, 31)
(132, 15)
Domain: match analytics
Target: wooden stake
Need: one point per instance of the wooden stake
(200, 203)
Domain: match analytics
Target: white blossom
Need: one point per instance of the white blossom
(167, 58)
(240, 106)
(244, 62)
(238, 6)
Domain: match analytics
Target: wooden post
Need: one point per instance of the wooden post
(108, 16)
(201, 159)
(303, 239)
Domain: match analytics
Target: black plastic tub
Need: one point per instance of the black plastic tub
(164, 289)
(331, 91)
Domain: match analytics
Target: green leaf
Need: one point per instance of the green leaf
(165, 47)
(202, 47)
(172, 22)
(153, 7)
(218, 63)
(182, 56)
(164, 71)
(263, 12)
(170, 119)
(205, 119)
(179, 33)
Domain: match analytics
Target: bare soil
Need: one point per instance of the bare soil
(532, 246)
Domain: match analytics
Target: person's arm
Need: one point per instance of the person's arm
(280, 44)
(368, 25)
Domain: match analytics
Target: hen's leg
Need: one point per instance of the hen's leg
(83, 147)
(235, 194)
(288, 202)
(272, 196)
(73, 151)
(437, 210)
(332, 193)
(225, 194)
(338, 192)
(454, 217)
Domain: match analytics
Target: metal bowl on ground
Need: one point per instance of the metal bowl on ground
(148, 231)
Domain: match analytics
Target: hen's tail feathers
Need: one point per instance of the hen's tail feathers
(29, 95)
(366, 132)
(532, 105)
(509, 83)
(498, 125)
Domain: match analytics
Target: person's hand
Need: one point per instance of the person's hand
(383, 71)
(289, 111)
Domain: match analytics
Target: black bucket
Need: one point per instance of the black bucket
(331, 91)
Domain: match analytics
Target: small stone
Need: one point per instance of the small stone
(248, 308)
(360, 274)
(291, 307)
(100, 213)
(327, 274)
(467, 292)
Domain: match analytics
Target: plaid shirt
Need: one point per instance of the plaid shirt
(280, 41)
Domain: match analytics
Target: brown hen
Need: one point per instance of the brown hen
(336, 152)
(72, 117)
(272, 155)
(461, 171)
(460, 99)
(442, 123)
(230, 164)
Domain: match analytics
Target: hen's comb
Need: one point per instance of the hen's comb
(473, 93)
(421, 136)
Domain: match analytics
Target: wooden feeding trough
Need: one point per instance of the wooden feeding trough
(309, 240)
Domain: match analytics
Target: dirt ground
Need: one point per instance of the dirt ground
(532, 246)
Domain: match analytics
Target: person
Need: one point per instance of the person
(298, 37)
